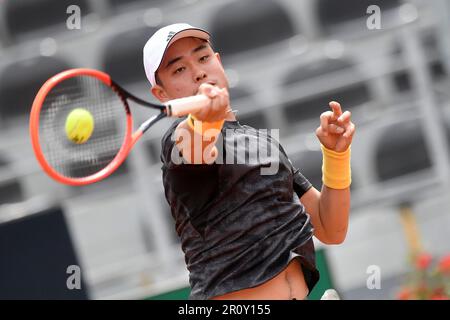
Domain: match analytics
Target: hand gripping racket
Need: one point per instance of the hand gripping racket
(112, 137)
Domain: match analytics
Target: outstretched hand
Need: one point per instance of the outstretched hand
(336, 129)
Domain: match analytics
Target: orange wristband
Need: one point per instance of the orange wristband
(205, 128)
(336, 170)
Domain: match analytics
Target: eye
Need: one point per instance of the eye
(178, 70)
(204, 58)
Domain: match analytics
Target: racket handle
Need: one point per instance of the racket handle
(183, 106)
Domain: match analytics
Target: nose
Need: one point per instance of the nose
(200, 75)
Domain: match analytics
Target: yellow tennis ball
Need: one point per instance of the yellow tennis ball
(79, 125)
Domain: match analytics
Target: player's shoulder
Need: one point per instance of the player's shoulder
(169, 132)
(167, 141)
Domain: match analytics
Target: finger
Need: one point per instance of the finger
(336, 107)
(208, 90)
(325, 118)
(204, 113)
(350, 131)
(215, 91)
(218, 110)
(345, 117)
(217, 100)
(324, 123)
(332, 128)
(320, 132)
(219, 106)
(223, 101)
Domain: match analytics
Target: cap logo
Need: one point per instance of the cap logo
(170, 35)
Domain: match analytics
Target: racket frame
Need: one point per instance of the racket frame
(129, 137)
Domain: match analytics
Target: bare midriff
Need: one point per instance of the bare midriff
(289, 284)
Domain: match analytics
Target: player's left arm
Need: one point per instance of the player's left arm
(330, 208)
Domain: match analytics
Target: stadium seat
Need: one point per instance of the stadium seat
(119, 4)
(402, 79)
(23, 16)
(122, 56)
(331, 13)
(35, 263)
(20, 82)
(237, 93)
(402, 153)
(432, 47)
(153, 148)
(10, 190)
(316, 69)
(436, 68)
(447, 129)
(305, 108)
(242, 25)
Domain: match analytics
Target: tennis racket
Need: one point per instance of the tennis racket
(112, 137)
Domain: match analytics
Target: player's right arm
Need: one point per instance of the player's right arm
(195, 148)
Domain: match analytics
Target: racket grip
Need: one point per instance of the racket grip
(183, 106)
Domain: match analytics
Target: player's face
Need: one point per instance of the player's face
(188, 63)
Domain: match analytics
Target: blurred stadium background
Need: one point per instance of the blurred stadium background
(285, 60)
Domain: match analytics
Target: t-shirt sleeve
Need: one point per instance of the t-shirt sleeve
(301, 184)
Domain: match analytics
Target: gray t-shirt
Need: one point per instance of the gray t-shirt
(238, 227)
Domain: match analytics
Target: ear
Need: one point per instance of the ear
(159, 93)
(218, 57)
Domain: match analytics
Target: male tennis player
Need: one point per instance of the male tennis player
(245, 235)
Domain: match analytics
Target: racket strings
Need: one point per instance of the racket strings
(106, 107)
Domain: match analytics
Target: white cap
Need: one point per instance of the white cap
(157, 45)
